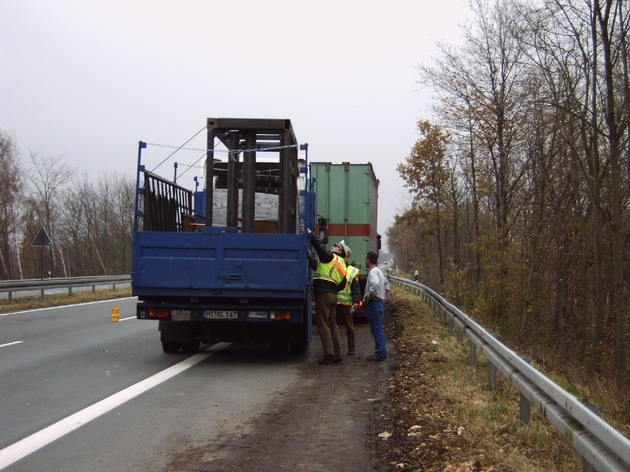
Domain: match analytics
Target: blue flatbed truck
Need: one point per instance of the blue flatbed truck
(240, 279)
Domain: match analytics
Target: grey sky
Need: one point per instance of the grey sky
(88, 79)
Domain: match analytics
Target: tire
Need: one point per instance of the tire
(191, 347)
(279, 346)
(298, 346)
(171, 347)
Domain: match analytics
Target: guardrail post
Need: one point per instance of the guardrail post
(460, 332)
(451, 325)
(492, 370)
(525, 407)
(41, 293)
(492, 375)
(472, 358)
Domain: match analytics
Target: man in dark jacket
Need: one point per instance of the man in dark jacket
(328, 279)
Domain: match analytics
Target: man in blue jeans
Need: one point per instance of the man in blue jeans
(374, 300)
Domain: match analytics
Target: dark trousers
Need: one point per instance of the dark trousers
(343, 311)
(326, 310)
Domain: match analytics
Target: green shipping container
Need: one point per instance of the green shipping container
(347, 196)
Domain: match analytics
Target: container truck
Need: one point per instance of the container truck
(346, 197)
(228, 260)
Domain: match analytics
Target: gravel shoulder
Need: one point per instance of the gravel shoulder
(323, 423)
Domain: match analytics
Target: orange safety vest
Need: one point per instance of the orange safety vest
(334, 271)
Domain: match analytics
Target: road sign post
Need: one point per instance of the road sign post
(42, 240)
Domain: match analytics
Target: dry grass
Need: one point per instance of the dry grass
(465, 424)
(60, 299)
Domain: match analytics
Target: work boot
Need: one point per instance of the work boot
(328, 359)
(376, 358)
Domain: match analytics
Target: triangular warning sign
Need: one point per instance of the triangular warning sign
(42, 239)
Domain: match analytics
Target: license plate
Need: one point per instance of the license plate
(220, 314)
(258, 314)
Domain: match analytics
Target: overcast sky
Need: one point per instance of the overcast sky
(88, 79)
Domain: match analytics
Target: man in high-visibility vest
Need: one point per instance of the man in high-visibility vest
(328, 279)
(348, 299)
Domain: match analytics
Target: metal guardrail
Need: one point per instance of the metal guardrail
(30, 285)
(601, 446)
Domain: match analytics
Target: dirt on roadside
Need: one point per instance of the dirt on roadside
(360, 416)
(339, 418)
(324, 423)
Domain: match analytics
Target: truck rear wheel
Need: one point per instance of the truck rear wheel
(298, 346)
(279, 346)
(171, 347)
(192, 346)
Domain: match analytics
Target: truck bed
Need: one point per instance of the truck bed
(220, 263)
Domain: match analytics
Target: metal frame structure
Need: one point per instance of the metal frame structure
(248, 137)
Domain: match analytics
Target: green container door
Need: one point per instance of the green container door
(347, 196)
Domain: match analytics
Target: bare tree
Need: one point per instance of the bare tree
(485, 80)
(47, 176)
(11, 192)
(96, 225)
(537, 102)
(607, 16)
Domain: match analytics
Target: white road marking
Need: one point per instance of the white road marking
(129, 318)
(64, 306)
(19, 450)
(11, 344)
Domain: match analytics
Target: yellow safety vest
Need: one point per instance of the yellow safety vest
(334, 271)
(345, 296)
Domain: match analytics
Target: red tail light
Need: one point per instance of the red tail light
(158, 313)
(281, 315)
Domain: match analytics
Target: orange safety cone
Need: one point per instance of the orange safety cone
(115, 311)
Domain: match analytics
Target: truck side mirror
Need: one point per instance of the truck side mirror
(378, 242)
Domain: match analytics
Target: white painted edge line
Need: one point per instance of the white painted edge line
(19, 450)
(11, 344)
(64, 306)
(129, 318)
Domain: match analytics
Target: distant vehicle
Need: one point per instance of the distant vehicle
(346, 197)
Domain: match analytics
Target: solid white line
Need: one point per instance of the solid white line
(11, 344)
(36, 441)
(64, 306)
(129, 318)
